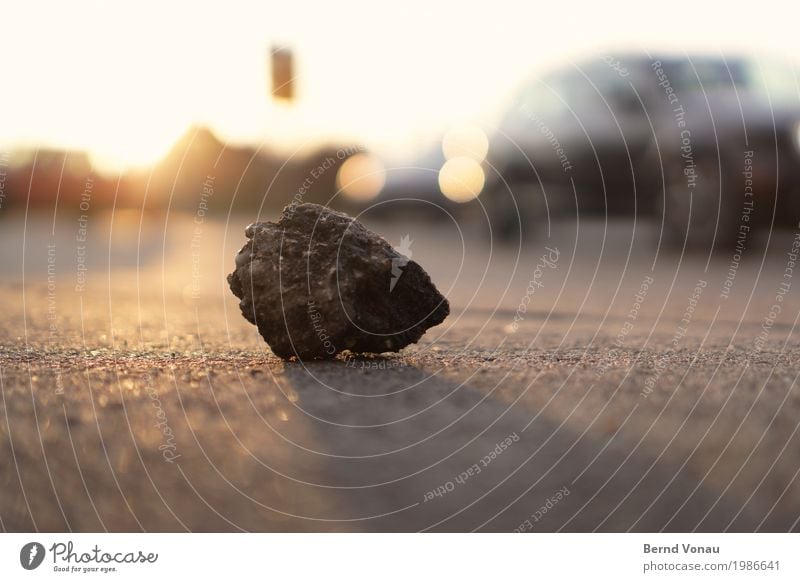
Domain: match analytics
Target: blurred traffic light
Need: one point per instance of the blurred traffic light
(282, 64)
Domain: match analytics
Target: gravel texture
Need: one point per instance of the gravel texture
(141, 406)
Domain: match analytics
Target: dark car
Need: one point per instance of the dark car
(708, 145)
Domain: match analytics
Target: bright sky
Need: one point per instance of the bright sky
(124, 80)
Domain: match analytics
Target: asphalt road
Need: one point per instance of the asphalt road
(586, 381)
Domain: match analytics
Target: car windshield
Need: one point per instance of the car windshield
(572, 90)
(780, 82)
(776, 80)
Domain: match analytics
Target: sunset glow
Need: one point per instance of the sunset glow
(125, 82)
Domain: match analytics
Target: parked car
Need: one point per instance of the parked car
(708, 145)
(411, 188)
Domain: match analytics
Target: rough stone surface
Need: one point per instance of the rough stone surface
(318, 282)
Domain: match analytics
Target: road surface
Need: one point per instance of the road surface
(586, 381)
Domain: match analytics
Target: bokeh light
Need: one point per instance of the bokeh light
(465, 140)
(461, 179)
(361, 177)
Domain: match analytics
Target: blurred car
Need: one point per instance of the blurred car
(441, 182)
(708, 145)
(411, 180)
(411, 190)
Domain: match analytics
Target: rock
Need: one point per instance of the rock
(318, 282)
